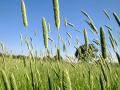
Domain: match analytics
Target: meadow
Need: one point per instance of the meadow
(93, 69)
(55, 75)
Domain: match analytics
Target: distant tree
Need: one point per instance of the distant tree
(86, 54)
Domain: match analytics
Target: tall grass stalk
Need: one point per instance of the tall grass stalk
(24, 15)
(103, 43)
(106, 14)
(5, 80)
(45, 32)
(13, 82)
(66, 80)
(56, 13)
(86, 38)
(3, 56)
(92, 26)
(118, 57)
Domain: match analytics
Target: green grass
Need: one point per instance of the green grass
(83, 76)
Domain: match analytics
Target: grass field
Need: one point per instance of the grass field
(55, 75)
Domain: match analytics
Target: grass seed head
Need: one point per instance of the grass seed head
(45, 32)
(56, 13)
(103, 43)
(116, 18)
(24, 15)
(106, 14)
(86, 38)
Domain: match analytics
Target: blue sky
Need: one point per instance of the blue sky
(11, 21)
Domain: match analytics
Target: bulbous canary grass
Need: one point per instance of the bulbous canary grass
(106, 14)
(70, 25)
(116, 18)
(51, 39)
(110, 34)
(27, 43)
(24, 15)
(56, 13)
(49, 82)
(62, 79)
(39, 78)
(112, 40)
(64, 45)
(5, 80)
(90, 22)
(103, 43)
(69, 35)
(58, 54)
(97, 42)
(28, 80)
(118, 57)
(108, 27)
(86, 38)
(91, 81)
(85, 13)
(21, 39)
(49, 27)
(92, 26)
(2, 46)
(102, 84)
(13, 82)
(65, 22)
(45, 32)
(104, 72)
(66, 83)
